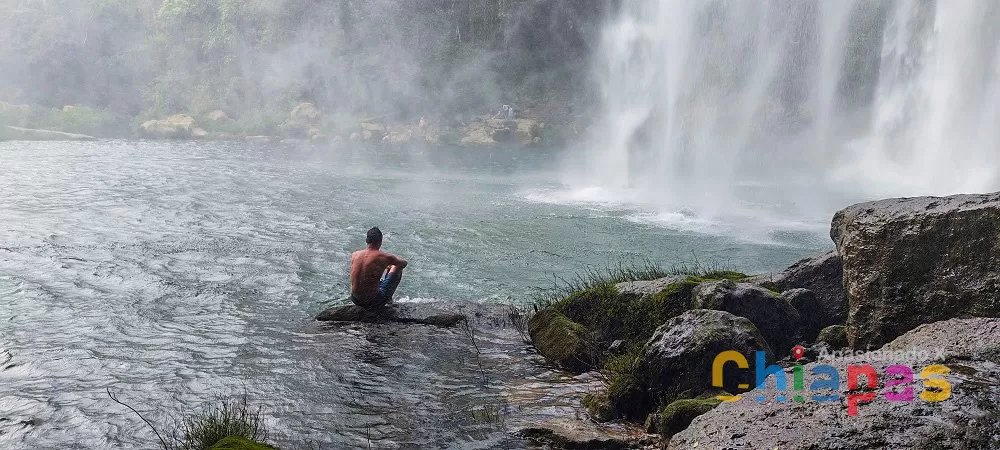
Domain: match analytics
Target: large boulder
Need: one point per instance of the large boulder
(968, 419)
(177, 126)
(677, 360)
(824, 276)
(912, 261)
(776, 319)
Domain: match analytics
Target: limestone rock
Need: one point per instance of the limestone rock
(177, 126)
(911, 261)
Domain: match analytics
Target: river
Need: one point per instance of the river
(178, 273)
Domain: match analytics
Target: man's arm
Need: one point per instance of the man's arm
(396, 261)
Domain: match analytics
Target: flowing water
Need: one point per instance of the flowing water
(178, 273)
(708, 102)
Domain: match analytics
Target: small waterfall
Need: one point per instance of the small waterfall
(705, 101)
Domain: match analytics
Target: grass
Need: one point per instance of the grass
(231, 418)
(622, 272)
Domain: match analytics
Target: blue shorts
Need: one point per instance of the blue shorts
(386, 288)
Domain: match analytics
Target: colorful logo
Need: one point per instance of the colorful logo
(824, 381)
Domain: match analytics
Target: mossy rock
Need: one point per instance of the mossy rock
(676, 416)
(561, 340)
(834, 335)
(239, 443)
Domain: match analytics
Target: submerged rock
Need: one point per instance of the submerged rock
(912, 261)
(575, 434)
(354, 313)
(776, 319)
(968, 419)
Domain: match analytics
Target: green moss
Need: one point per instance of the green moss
(239, 443)
(561, 340)
(676, 416)
(626, 394)
(834, 335)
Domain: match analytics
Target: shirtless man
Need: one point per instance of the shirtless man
(374, 273)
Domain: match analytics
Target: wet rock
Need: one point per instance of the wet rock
(399, 314)
(912, 261)
(575, 434)
(776, 319)
(561, 340)
(177, 126)
(824, 276)
(968, 419)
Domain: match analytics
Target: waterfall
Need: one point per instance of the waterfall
(706, 101)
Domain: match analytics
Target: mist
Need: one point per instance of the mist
(255, 60)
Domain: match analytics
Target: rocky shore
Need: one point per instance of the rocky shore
(909, 295)
(303, 123)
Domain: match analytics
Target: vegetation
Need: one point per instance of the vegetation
(132, 60)
(676, 416)
(588, 323)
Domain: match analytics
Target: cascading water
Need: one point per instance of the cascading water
(709, 103)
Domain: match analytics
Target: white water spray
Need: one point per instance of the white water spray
(708, 103)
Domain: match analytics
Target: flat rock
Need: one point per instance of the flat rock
(395, 313)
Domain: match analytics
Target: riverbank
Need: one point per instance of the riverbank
(543, 127)
(907, 273)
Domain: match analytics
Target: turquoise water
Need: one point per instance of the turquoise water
(176, 272)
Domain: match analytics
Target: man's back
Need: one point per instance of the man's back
(368, 286)
(367, 266)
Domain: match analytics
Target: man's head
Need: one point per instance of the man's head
(374, 238)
